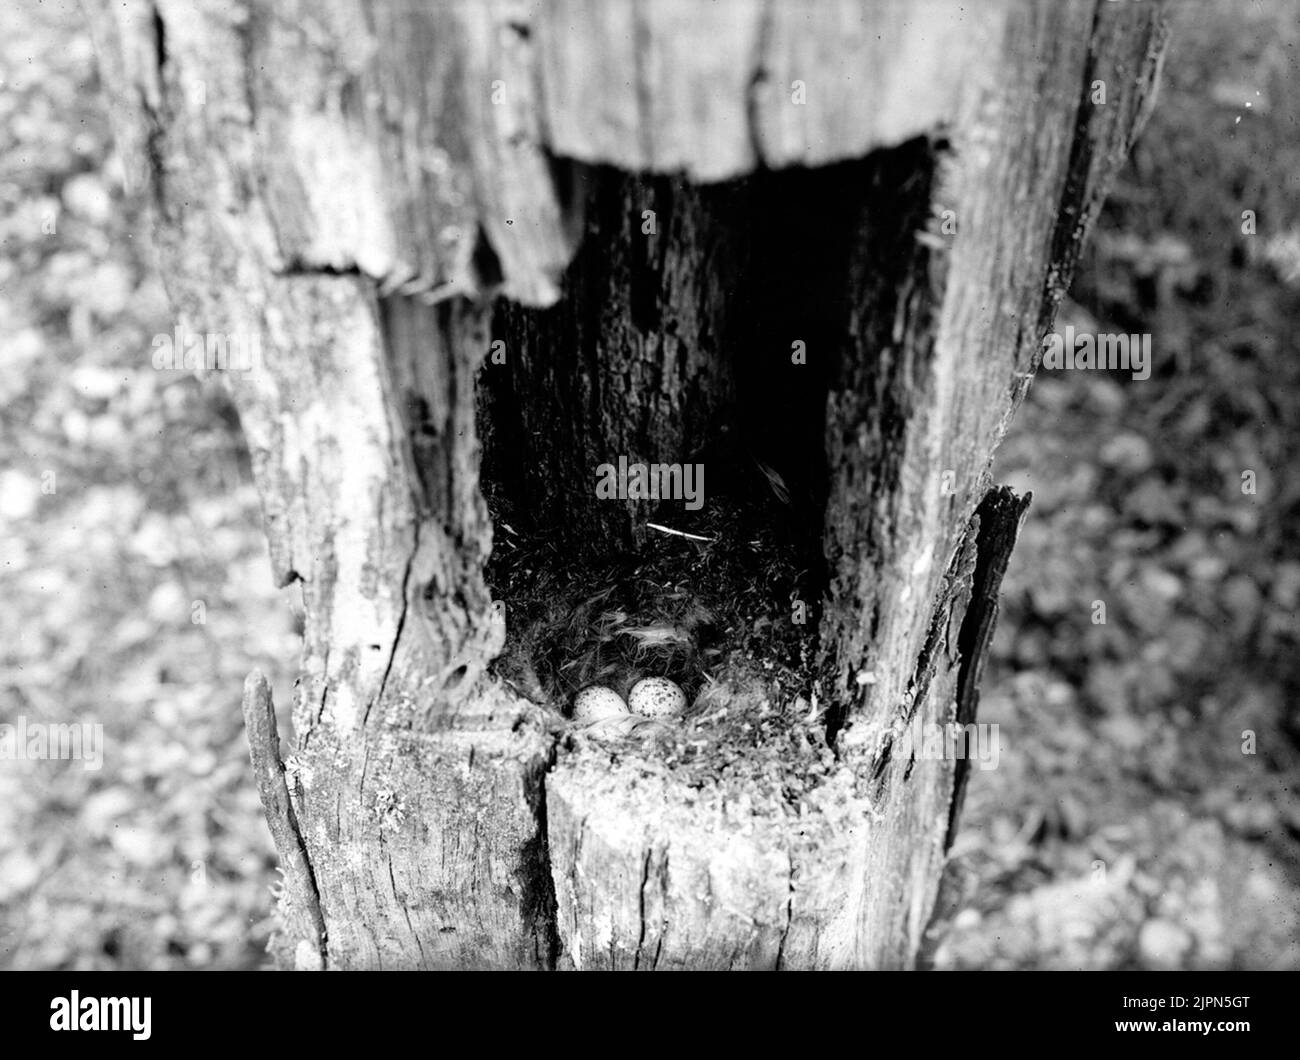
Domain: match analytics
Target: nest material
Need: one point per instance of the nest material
(715, 616)
(700, 613)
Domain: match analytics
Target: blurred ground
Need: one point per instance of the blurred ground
(1124, 827)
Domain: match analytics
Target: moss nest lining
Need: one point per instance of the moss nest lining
(715, 615)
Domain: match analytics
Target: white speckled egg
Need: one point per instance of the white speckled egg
(596, 703)
(656, 697)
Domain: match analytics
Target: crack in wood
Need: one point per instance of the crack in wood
(1000, 516)
(645, 882)
(268, 770)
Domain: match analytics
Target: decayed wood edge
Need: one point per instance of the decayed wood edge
(426, 145)
(998, 285)
(1001, 514)
(300, 900)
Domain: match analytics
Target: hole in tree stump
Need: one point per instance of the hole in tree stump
(701, 329)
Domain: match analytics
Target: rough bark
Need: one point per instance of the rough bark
(355, 181)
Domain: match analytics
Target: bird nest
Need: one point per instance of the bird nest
(726, 604)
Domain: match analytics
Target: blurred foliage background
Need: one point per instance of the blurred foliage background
(1124, 826)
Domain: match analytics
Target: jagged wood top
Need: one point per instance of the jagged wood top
(430, 142)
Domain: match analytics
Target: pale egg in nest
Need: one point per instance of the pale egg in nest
(597, 703)
(656, 697)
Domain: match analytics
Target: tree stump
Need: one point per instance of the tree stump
(486, 248)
